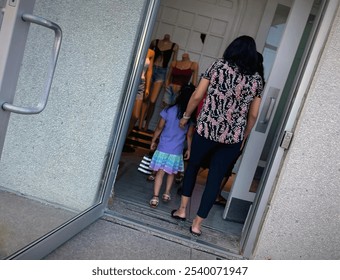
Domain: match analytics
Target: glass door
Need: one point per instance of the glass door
(64, 67)
(280, 46)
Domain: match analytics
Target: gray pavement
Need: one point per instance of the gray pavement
(107, 240)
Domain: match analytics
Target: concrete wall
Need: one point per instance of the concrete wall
(303, 220)
(58, 156)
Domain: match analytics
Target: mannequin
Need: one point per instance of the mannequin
(165, 52)
(142, 94)
(180, 73)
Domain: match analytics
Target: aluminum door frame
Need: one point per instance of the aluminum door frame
(13, 35)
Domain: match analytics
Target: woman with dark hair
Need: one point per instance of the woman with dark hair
(230, 109)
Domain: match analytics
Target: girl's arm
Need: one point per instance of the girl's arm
(156, 134)
(190, 134)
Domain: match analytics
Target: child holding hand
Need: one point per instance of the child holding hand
(168, 155)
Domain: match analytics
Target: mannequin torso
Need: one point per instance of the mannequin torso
(181, 72)
(165, 51)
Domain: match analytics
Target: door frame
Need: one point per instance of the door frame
(254, 222)
(270, 180)
(52, 240)
(12, 46)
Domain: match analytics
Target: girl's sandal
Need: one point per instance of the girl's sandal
(166, 197)
(154, 201)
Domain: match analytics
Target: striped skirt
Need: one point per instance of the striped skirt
(171, 164)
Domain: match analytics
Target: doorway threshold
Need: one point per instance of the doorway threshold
(160, 224)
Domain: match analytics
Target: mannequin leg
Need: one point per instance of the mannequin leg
(156, 88)
(135, 115)
(142, 117)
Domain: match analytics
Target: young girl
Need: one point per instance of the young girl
(168, 158)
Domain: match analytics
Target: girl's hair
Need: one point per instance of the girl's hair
(182, 99)
(242, 53)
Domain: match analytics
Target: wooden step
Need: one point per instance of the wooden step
(139, 138)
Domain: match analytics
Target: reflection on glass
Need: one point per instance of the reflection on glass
(269, 54)
(2, 5)
(271, 47)
(274, 37)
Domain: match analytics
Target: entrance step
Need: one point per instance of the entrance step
(139, 139)
(159, 223)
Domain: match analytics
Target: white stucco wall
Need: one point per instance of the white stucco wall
(303, 220)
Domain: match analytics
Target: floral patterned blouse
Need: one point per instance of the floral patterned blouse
(223, 117)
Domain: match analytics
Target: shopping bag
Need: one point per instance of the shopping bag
(144, 165)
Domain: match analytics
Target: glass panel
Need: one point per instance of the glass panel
(274, 37)
(284, 100)
(2, 7)
(52, 163)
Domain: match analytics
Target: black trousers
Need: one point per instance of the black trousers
(221, 156)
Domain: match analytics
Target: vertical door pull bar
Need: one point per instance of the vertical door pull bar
(54, 57)
(268, 109)
(269, 112)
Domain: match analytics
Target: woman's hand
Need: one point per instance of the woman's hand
(182, 123)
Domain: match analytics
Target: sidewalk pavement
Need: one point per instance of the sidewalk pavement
(105, 240)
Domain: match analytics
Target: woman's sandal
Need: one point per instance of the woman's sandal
(166, 197)
(154, 201)
(196, 234)
(176, 216)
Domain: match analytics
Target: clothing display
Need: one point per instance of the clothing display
(181, 76)
(166, 54)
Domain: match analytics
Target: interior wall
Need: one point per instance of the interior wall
(184, 20)
(251, 17)
(59, 155)
(303, 219)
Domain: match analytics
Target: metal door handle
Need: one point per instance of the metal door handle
(54, 57)
(269, 111)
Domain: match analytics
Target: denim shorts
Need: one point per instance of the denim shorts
(159, 74)
(169, 96)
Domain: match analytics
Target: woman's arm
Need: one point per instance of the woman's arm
(252, 116)
(156, 134)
